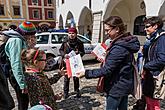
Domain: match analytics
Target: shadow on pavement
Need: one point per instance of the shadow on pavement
(86, 102)
(88, 89)
(83, 103)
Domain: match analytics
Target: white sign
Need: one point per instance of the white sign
(100, 51)
(74, 65)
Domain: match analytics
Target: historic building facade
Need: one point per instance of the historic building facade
(12, 12)
(90, 14)
(40, 12)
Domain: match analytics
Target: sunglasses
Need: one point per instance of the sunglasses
(147, 26)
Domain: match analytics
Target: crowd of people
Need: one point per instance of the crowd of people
(23, 64)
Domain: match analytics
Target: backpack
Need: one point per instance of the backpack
(4, 61)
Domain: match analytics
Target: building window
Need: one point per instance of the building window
(50, 14)
(16, 10)
(35, 1)
(139, 26)
(49, 1)
(36, 14)
(62, 1)
(2, 10)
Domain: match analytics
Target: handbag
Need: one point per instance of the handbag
(137, 92)
(100, 84)
(159, 88)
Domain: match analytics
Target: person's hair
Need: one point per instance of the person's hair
(115, 21)
(35, 55)
(154, 20)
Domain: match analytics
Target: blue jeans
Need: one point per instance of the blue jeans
(119, 103)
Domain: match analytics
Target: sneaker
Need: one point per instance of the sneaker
(78, 95)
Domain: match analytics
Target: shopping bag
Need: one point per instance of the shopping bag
(137, 93)
(159, 90)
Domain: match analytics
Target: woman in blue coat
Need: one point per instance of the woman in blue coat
(117, 68)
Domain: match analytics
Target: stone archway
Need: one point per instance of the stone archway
(44, 26)
(70, 20)
(162, 14)
(128, 10)
(61, 25)
(161, 11)
(85, 20)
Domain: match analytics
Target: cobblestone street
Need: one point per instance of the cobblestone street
(90, 100)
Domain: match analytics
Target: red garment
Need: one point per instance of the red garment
(152, 104)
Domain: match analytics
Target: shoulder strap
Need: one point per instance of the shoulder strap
(154, 43)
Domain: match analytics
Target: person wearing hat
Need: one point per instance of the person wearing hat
(17, 41)
(72, 43)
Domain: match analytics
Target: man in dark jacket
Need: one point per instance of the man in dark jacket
(6, 100)
(154, 54)
(72, 43)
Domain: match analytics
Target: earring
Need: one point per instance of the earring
(117, 31)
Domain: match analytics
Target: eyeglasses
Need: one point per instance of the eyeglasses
(41, 59)
(147, 26)
(109, 30)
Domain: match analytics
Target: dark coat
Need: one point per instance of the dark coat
(67, 46)
(155, 62)
(118, 69)
(6, 100)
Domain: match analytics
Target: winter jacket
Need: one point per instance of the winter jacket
(117, 69)
(6, 100)
(155, 61)
(69, 45)
(13, 49)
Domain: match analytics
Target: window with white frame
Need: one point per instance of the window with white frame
(36, 14)
(63, 1)
(49, 1)
(139, 25)
(50, 14)
(2, 10)
(35, 1)
(16, 10)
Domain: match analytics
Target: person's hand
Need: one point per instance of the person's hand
(24, 91)
(100, 60)
(76, 51)
(63, 72)
(67, 56)
(80, 75)
(143, 74)
(59, 96)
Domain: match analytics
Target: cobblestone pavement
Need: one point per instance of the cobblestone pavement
(90, 100)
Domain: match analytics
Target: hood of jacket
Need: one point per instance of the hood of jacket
(129, 42)
(13, 34)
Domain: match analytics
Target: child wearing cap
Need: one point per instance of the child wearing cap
(39, 88)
